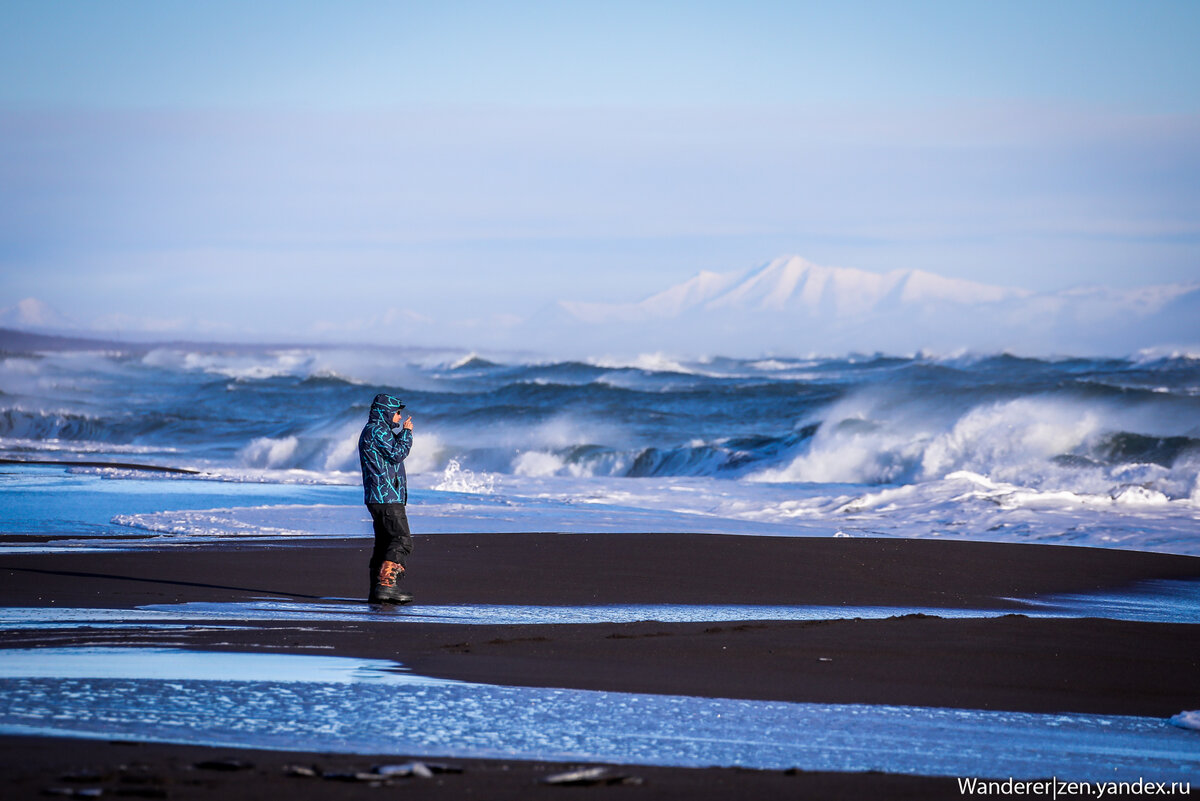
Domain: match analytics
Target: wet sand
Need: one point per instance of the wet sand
(1011, 662)
(33, 766)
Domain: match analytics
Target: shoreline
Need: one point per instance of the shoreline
(604, 568)
(141, 466)
(1010, 661)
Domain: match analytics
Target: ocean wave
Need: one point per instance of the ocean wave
(648, 362)
(1125, 447)
(1043, 441)
(1095, 427)
(1187, 720)
(473, 361)
(358, 366)
(964, 485)
(53, 445)
(322, 450)
(965, 505)
(31, 425)
(456, 479)
(330, 449)
(329, 378)
(1169, 357)
(235, 365)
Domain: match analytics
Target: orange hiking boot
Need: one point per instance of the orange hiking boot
(386, 588)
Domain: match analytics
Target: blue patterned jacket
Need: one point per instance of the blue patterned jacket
(381, 453)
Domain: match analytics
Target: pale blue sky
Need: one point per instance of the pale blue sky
(304, 168)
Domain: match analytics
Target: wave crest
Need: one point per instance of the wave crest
(456, 479)
(1041, 442)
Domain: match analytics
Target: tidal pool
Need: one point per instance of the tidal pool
(337, 704)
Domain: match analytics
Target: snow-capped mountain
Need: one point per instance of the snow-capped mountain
(793, 284)
(33, 314)
(791, 304)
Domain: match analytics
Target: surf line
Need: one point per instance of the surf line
(149, 468)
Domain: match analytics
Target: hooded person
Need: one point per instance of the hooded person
(382, 447)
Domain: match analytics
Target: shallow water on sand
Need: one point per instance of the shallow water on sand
(1158, 601)
(369, 706)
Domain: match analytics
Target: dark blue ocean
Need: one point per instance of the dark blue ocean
(1091, 451)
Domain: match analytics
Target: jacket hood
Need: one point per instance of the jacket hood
(384, 407)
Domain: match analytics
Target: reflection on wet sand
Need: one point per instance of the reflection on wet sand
(339, 704)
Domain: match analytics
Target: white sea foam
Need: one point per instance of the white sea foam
(775, 365)
(287, 475)
(463, 361)
(537, 463)
(233, 364)
(456, 479)
(282, 522)
(1140, 496)
(312, 454)
(25, 376)
(55, 446)
(334, 447)
(1187, 720)
(650, 362)
(364, 366)
(460, 500)
(869, 440)
(1009, 437)
(1149, 355)
(342, 450)
(852, 446)
(331, 447)
(268, 452)
(962, 506)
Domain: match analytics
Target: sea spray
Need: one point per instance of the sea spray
(456, 479)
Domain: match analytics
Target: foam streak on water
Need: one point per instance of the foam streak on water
(358, 706)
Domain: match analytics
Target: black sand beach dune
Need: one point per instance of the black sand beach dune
(1009, 662)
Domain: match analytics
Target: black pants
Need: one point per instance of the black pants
(393, 540)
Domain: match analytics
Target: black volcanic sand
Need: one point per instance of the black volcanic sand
(1011, 662)
(35, 767)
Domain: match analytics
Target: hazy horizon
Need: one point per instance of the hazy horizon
(786, 307)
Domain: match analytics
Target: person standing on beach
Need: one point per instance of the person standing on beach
(382, 447)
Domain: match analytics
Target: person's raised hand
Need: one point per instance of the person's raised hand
(408, 423)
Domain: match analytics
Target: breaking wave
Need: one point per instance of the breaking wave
(1043, 441)
(1116, 428)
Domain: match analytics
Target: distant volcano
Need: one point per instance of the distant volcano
(796, 285)
(794, 306)
(32, 314)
